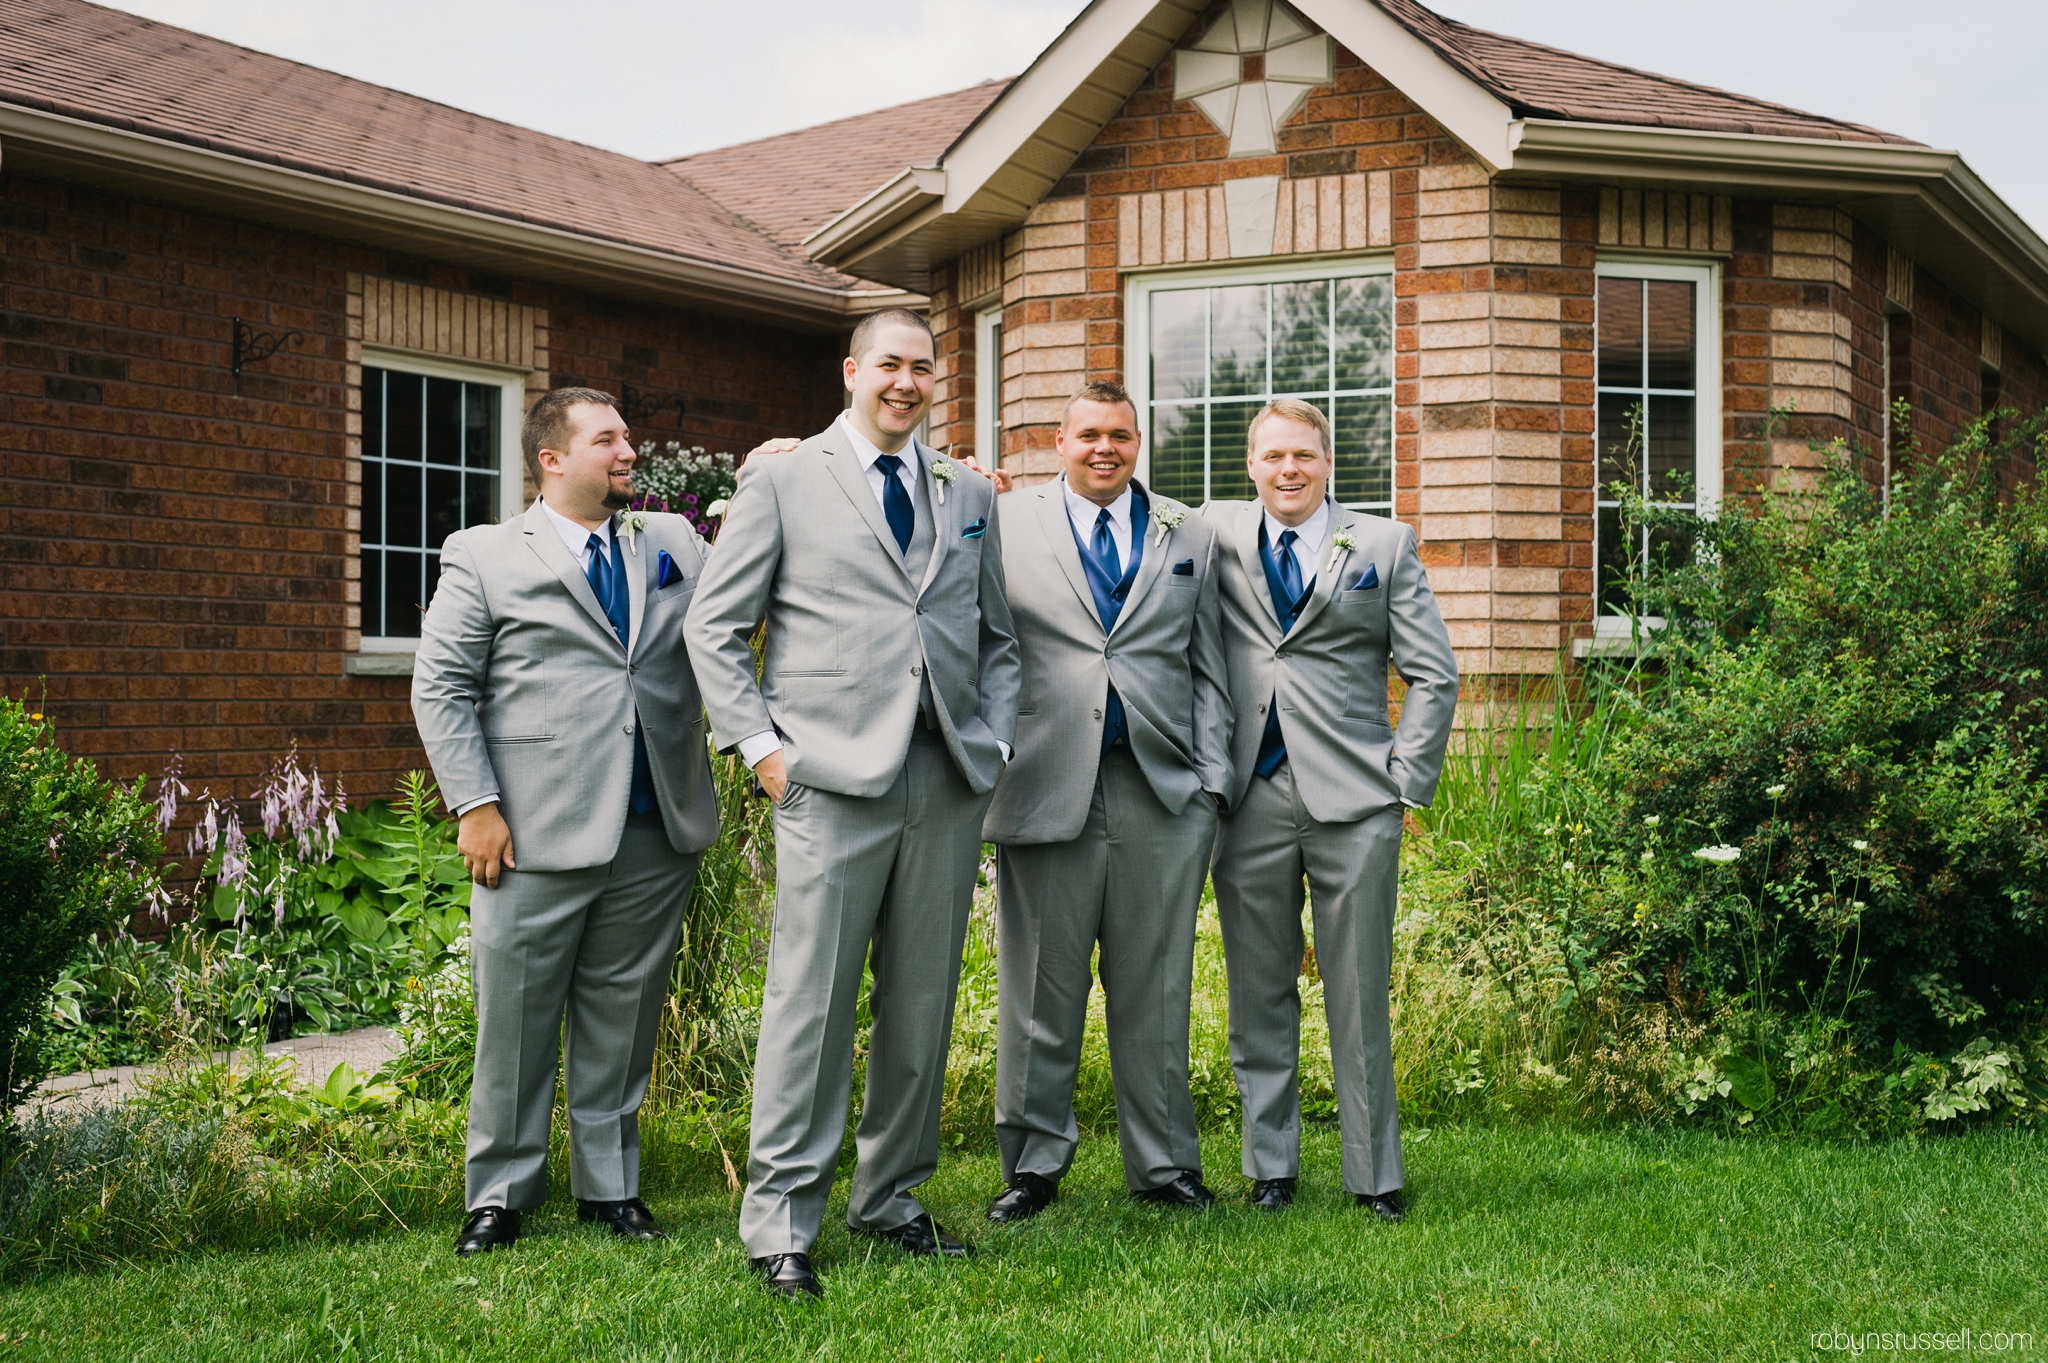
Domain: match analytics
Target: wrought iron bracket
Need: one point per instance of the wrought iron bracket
(637, 405)
(254, 347)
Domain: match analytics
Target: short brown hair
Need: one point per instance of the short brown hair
(1108, 392)
(547, 422)
(864, 334)
(1291, 409)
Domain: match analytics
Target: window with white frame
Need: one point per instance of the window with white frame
(440, 452)
(1657, 339)
(988, 385)
(1208, 349)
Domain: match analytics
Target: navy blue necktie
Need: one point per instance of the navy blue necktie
(1115, 727)
(896, 502)
(1283, 580)
(607, 573)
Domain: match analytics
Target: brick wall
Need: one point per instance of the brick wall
(178, 542)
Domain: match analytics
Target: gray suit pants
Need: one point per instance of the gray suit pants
(1133, 881)
(1354, 872)
(885, 882)
(598, 943)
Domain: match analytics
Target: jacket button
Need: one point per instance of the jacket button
(629, 728)
(1098, 714)
(916, 670)
(1262, 709)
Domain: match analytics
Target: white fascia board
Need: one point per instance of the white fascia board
(342, 206)
(1037, 97)
(1466, 110)
(917, 188)
(1554, 147)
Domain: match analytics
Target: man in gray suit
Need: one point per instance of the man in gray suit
(1105, 820)
(882, 716)
(554, 696)
(1316, 600)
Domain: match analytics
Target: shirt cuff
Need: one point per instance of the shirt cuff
(475, 804)
(754, 747)
(1006, 751)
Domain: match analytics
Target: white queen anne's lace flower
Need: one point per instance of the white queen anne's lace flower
(1720, 855)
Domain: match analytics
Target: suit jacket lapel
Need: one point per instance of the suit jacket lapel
(540, 533)
(1151, 556)
(853, 481)
(636, 580)
(1052, 519)
(944, 518)
(1254, 566)
(1329, 567)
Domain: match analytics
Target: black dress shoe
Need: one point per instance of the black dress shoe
(1027, 1195)
(629, 1220)
(1186, 1190)
(922, 1235)
(1273, 1194)
(788, 1275)
(1386, 1206)
(488, 1228)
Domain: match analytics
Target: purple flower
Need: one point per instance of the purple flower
(690, 498)
(703, 527)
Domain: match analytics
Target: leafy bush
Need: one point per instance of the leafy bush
(322, 915)
(77, 854)
(1858, 706)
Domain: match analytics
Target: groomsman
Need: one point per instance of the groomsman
(554, 698)
(1316, 600)
(882, 716)
(1105, 820)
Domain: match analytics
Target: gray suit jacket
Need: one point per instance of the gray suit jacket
(1165, 659)
(1330, 671)
(522, 690)
(850, 638)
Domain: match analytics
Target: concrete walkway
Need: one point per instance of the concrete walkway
(366, 1050)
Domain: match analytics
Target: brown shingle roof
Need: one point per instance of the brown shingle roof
(108, 67)
(792, 185)
(1547, 82)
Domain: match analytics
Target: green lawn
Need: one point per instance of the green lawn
(1520, 1243)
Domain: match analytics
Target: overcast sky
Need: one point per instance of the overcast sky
(657, 78)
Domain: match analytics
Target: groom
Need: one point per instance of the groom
(556, 704)
(882, 714)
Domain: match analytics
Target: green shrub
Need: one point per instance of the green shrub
(1858, 705)
(77, 854)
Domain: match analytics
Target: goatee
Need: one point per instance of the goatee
(617, 501)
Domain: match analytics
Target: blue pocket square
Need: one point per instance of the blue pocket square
(1184, 568)
(666, 574)
(1369, 578)
(975, 531)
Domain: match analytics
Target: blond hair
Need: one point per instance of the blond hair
(1290, 409)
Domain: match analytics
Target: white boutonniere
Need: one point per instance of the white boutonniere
(942, 474)
(1343, 539)
(630, 525)
(1167, 519)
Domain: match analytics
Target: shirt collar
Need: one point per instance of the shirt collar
(576, 536)
(1083, 512)
(869, 451)
(1309, 535)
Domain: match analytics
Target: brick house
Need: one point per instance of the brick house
(1480, 254)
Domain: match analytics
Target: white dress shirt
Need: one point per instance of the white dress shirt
(754, 747)
(1083, 513)
(1308, 542)
(577, 537)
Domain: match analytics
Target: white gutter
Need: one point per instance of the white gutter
(916, 189)
(334, 206)
(1546, 146)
